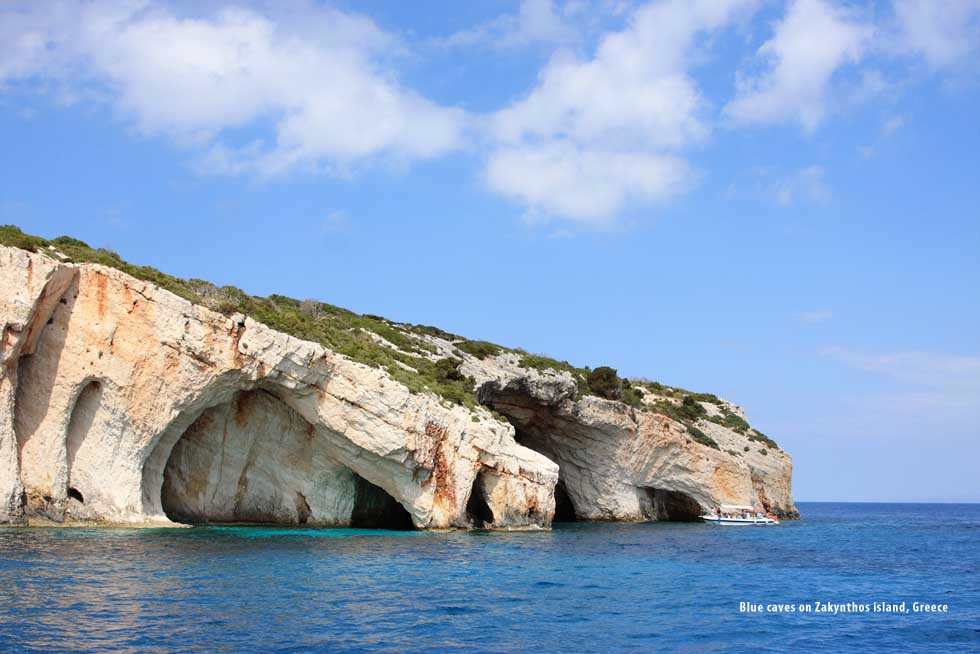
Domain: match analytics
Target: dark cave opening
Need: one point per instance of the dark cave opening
(478, 512)
(376, 509)
(75, 494)
(674, 506)
(564, 509)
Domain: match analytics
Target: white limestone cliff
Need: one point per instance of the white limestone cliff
(121, 402)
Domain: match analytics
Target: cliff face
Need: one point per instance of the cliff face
(122, 402)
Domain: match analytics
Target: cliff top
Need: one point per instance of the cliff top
(422, 357)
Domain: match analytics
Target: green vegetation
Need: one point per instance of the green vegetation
(674, 391)
(731, 421)
(12, 236)
(604, 382)
(539, 362)
(402, 353)
(429, 330)
(702, 437)
(339, 329)
(687, 413)
(759, 437)
(480, 349)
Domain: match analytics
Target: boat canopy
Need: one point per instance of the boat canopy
(737, 507)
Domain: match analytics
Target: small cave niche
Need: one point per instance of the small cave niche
(303, 511)
(673, 506)
(80, 423)
(564, 508)
(374, 508)
(478, 511)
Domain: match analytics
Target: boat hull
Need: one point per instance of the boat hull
(738, 522)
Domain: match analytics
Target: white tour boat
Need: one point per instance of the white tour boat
(733, 515)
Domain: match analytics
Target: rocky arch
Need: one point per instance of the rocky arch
(672, 505)
(540, 426)
(252, 457)
(374, 508)
(603, 473)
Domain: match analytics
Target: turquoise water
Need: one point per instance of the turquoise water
(580, 588)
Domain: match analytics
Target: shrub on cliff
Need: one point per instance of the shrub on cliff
(448, 369)
(701, 437)
(12, 236)
(605, 382)
(731, 421)
(479, 349)
(691, 408)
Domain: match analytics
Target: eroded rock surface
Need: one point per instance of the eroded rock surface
(619, 462)
(122, 402)
(120, 370)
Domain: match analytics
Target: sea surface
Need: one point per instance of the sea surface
(583, 587)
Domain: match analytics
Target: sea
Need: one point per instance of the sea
(845, 578)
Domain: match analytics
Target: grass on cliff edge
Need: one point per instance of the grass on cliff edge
(357, 336)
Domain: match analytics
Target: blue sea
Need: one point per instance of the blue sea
(583, 587)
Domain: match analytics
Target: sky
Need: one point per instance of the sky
(777, 202)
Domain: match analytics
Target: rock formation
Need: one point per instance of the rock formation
(121, 402)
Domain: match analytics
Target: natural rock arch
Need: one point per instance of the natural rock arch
(254, 458)
(672, 505)
(374, 508)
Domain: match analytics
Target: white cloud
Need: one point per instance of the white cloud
(920, 368)
(314, 82)
(536, 21)
(928, 380)
(813, 41)
(944, 33)
(599, 134)
(587, 184)
(814, 316)
(807, 184)
(888, 128)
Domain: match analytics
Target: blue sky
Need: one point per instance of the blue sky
(773, 201)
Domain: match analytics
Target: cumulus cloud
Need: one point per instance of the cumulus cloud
(812, 42)
(297, 86)
(313, 86)
(944, 33)
(598, 134)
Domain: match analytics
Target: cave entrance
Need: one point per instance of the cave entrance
(478, 511)
(376, 509)
(673, 506)
(537, 428)
(564, 508)
(255, 460)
